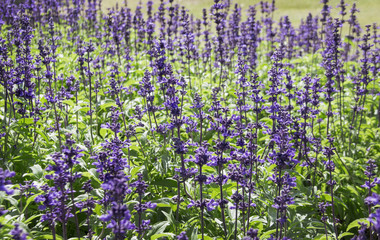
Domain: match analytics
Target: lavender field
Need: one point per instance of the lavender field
(152, 121)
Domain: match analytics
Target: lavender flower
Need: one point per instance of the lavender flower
(4, 174)
(119, 218)
(182, 236)
(18, 234)
(374, 218)
(140, 188)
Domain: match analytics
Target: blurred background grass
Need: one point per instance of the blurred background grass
(295, 9)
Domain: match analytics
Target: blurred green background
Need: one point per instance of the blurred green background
(295, 9)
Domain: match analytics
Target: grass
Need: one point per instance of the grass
(295, 9)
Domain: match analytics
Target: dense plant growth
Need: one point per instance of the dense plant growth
(149, 123)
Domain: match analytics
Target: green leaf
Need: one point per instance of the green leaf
(134, 171)
(47, 236)
(26, 121)
(163, 204)
(37, 171)
(84, 109)
(160, 227)
(69, 102)
(30, 199)
(12, 200)
(267, 233)
(194, 234)
(165, 183)
(32, 217)
(107, 105)
(156, 236)
(103, 132)
(42, 134)
(208, 169)
(97, 209)
(355, 223)
(205, 237)
(322, 237)
(81, 197)
(326, 197)
(345, 234)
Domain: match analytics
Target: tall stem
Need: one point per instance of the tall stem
(236, 210)
(222, 202)
(74, 208)
(202, 207)
(89, 79)
(278, 194)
